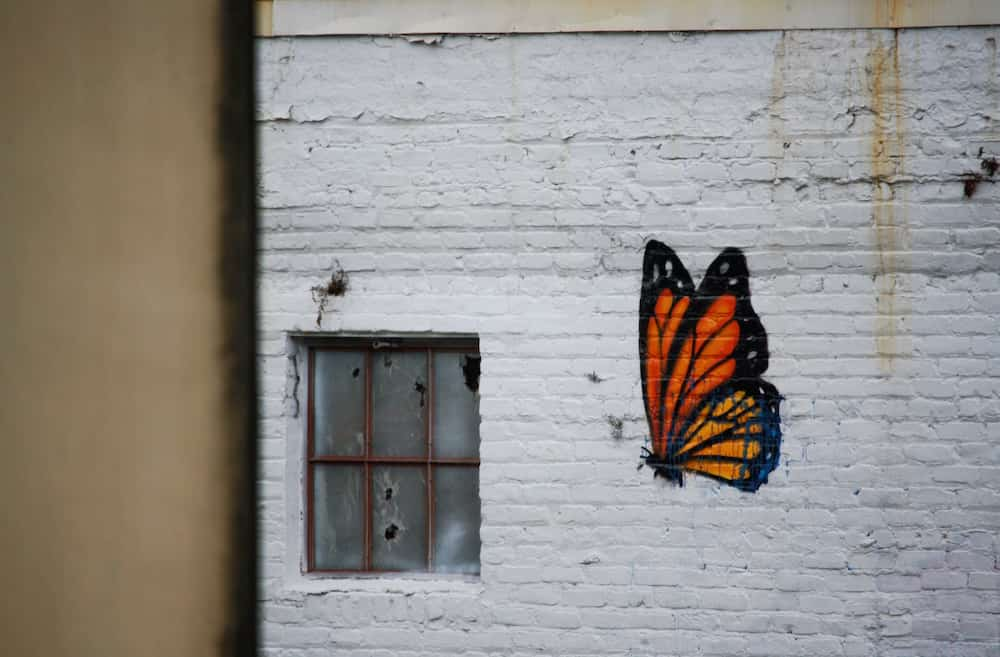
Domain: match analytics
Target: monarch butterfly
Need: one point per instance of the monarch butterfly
(701, 354)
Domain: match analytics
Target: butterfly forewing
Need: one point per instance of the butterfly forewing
(663, 303)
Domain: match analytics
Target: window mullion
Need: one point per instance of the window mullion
(429, 419)
(310, 501)
(368, 474)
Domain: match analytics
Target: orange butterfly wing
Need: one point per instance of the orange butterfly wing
(676, 386)
(701, 354)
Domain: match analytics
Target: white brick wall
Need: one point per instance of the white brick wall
(506, 186)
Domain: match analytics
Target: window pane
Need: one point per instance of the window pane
(399, 403)
(339, 401)
(456, 519)
(456, 405)
(338, 519)
(399, 517)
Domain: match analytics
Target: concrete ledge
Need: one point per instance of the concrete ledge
(345, 17)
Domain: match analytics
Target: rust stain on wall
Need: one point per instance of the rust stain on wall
(887, 13)
(888, 217)
(776, 103)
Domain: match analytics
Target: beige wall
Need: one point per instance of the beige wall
(121, 443)
(288, 17)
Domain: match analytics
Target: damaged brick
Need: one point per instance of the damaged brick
(617, 425)
(335, 287)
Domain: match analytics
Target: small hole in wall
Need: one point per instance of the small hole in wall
(356, 372)
(388, 493)
(391, 532)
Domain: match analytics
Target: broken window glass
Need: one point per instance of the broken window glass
(456, 405)
(399, 517)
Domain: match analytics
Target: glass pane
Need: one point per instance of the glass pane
(399, 517)
(456, 519)
(338, 517)
(456, 405)
(399, 403)
(339, 398)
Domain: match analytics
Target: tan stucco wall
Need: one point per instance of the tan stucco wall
(118, 462)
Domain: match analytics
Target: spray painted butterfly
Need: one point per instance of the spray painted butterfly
(701, 354)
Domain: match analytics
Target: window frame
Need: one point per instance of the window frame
(371, 345)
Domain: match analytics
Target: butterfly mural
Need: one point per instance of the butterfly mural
(702, 352)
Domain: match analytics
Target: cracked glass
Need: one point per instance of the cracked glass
(399, 517)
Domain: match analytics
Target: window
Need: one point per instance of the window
(392, 481)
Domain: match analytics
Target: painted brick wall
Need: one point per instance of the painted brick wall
(506, 186)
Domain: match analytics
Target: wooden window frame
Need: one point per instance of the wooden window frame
(371, 346)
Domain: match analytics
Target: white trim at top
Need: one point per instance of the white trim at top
(333, 17)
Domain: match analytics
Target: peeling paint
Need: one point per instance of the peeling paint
(425, 39)
(291, 396)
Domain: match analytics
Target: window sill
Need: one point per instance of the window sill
(401, 583)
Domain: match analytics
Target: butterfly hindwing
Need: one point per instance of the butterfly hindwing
(735, 436)
(701, 355)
